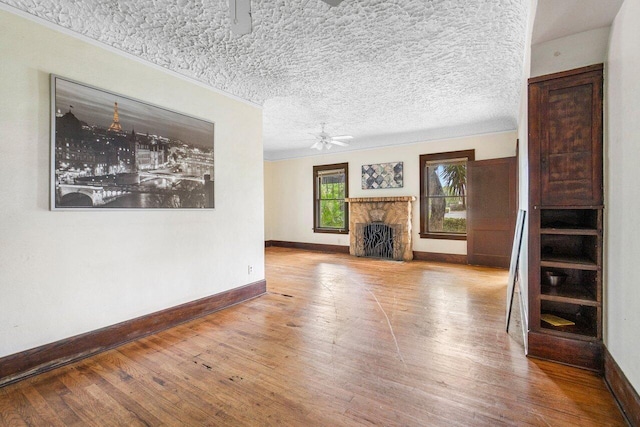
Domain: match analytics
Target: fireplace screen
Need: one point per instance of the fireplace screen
(378, 240)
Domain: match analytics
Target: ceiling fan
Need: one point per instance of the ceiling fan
(326, 141)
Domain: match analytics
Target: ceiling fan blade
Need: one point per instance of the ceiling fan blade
(340, 143)
(317, 145)
(342, 137)
(332, 2)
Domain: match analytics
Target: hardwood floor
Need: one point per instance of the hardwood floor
(337, 340)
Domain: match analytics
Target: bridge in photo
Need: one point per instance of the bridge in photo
(102, 191)
(78, 195)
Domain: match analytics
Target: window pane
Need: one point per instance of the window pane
(332, 186)
(447, 178)
(447, 207)
(332, 214)
(447, 215)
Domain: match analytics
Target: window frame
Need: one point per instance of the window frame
(316, 199)
(424, 158)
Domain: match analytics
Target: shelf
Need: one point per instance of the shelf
(565, 261)
(566, 333)
(572, 294)
(570, 220)
(582, 327)
(570, 231)
(569, 207)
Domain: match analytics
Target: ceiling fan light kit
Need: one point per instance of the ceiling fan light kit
(326, 141)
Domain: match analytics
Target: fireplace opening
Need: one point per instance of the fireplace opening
(378, 240)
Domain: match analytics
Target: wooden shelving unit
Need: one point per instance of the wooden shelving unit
(565, 216)
(575, 255)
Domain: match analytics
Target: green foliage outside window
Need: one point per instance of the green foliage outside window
(447, 182)
(455, 225)
(332, 193)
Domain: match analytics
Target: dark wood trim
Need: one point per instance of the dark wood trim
(311, 246)
(419, 256)
(331, 230)
(470, 155)
(568, 73)
(268, 243)
(41, 359)
(568, 351)
(443, 236)
(439, 257)
(316, 219)
(624, 393)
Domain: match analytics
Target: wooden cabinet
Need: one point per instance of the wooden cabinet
(565, 217)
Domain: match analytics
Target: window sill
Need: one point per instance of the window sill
(446, 236)
(330, 230)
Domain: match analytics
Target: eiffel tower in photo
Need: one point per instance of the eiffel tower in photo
(115, 125)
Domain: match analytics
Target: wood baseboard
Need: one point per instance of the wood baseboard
(41, 359)
(624, 393)
(440, 257)
(309, 246)
(422, 256)
(581, 354)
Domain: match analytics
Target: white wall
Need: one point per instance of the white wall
(622, 204)
(268, 201)
(64, 273)
(566, 53)
(290, 182)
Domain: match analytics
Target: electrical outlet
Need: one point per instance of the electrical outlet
(249, 269)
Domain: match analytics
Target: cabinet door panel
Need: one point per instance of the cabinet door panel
(570, 167)
(571, 141)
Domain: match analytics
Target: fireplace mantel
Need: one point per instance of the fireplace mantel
(380, 199)
(392, 211)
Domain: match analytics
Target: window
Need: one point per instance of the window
(443, 194)
(330, 188)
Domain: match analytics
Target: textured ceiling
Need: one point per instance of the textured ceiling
(384, 71)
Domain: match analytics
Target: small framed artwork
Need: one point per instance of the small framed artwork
(109, 151)
(382, 175)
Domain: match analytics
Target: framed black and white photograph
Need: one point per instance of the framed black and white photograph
(109, 151)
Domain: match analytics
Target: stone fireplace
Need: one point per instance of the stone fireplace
(381, 227)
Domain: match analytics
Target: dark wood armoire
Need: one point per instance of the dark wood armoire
(565, 217)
